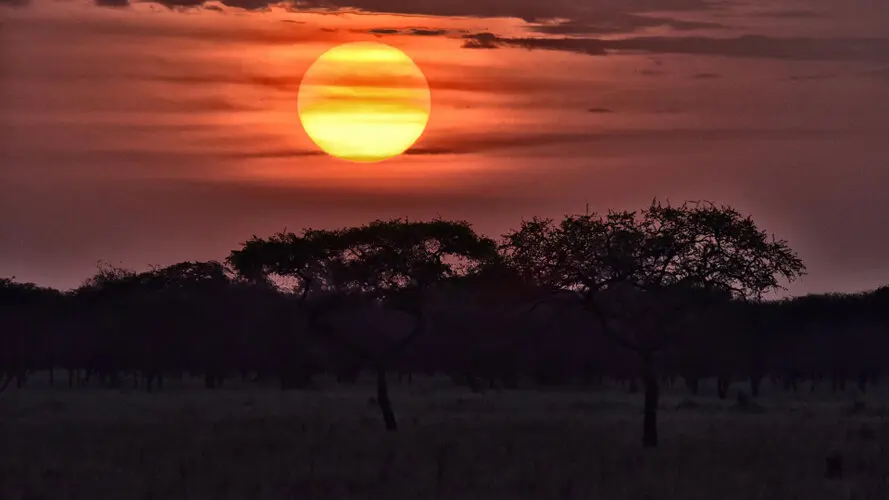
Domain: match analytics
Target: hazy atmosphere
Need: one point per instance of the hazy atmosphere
(444, 249)
(149, 133)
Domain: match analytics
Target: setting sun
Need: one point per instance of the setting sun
(364, 102)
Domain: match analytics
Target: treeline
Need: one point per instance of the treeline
(663, 294)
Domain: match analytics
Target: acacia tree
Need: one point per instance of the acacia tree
(298, 266)
(644, 275)
(390, 264)
(395, 264)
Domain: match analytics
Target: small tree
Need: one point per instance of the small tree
(643, 275)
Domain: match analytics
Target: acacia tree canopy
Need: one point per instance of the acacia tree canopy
(394, 261)
(653, 265)
(379, 260)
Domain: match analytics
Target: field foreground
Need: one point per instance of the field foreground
(243, 443)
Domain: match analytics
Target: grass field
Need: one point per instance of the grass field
(249, 443)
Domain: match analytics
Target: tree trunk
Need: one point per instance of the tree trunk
(755, 380)
(862, 382)
(472, 382)
(722, 385)
(652, 393)
(510, 379)
(383, 399)
(693, 384)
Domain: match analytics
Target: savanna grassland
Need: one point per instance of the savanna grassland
(241, 442)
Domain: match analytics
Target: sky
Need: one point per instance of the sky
(153, 132)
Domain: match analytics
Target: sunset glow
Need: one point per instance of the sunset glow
(364, 102)
(248, 117)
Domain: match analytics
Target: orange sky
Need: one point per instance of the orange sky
(142, 134)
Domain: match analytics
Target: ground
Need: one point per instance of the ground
(248, 443)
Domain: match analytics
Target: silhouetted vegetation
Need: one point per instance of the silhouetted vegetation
(668, 294)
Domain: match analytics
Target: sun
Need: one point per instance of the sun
(364, 102)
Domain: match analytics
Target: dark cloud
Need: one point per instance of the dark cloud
(528, 10)
(407, 31)
(619, 22)
(600, 110)
(580, 45)
(113, 3)
(481, 41)
(428, 32)
(14, 3)
(132, 27)
(595, 18)
(786, 14)
(280, 83)
(491, 142)
(478, 143)
(274, 153)
(810, 78)
(479, 81)
(878, 73)
(748, 46)
(454, 145)
(178, 4)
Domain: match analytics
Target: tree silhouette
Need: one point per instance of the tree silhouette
(24, 311)
(391, 265)
(643, 276)
(671, 291)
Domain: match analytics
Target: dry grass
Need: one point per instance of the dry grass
(263, 444)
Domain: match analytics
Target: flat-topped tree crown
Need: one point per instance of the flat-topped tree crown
(301, 260)
(394, 258)
(695, 245)
(380, 259)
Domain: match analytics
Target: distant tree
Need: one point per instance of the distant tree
(644, 275)
(185, 309)
(386, 264)
(25, 309)
(297, 266)
(395, 264)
